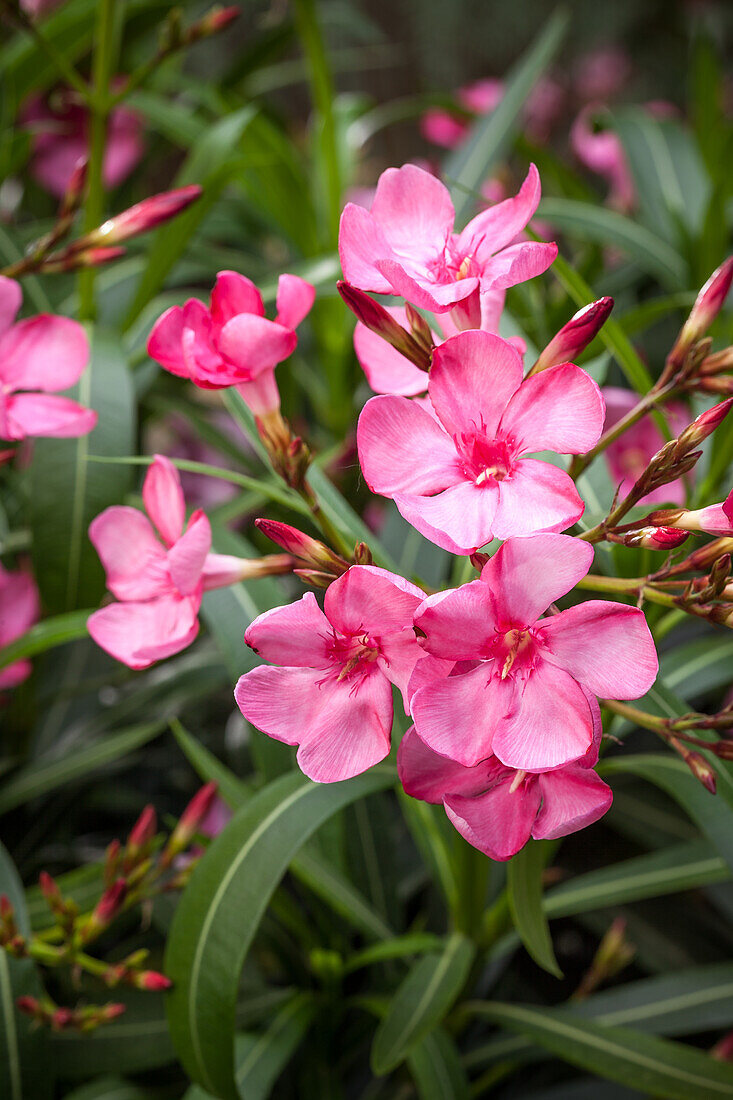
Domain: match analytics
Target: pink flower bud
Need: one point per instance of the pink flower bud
(220, 18)
(143, 830)
(723, 1049)
(29, 1006)
(708, 305)
(375, 317)
(111, 1011)
(654, 538)
(151, 981)
(302, 546)
(144, 216)
(189, 822)
(62, 1019)
(705, 424)
(106, 910)
(70, 260)
(75, 188)
(575, 336)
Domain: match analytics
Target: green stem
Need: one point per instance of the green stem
(61, 63)
(636, 587)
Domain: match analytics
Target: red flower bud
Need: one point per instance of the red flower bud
(376, 318)
(189, 822)
(29, 1006)
(69, 260)
(106, 910)
(151, 981)
(62, 1019)
(652, 538)
(574, 337)
(302, 546)
(143, 216)
(112, 1011)
(220, 18)
(708, 305)
(141, 833)
(704, 425)
(723, 1049)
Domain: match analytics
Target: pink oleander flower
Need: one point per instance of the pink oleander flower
(601, 74)
(37, 357)
(497, 809)
(19, 610)
(601, 151)
(526, 698)
(158, 571)
(461, 475)
(716, 519)
(333, 697)
(59, 125)
(232, 343)
(446, 128)
(628, 456)
(405, 245)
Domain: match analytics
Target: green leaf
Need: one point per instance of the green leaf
(436, 1068)
(48, 773)
(110, 1088)
(67, 491)
(711, 813)
(595, 223)
(698, 667)
(413, 943)
(46, 635)
(221, 909)
(642, 1062)
(468, 167)
(524, 884)
(234, 792)
(421, 1002)
(25, 1069)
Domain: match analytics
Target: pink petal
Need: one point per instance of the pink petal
(163, 498)
(165, 342)
(536, 497)
(295, 298)
(499, 822)
(471, 380)
(427, 670)
(430, 777)
(560, 409)
(481, 96)
(572, 799)
(138, 634)
(296, 634)
(15, 674)
(43, 353)
(19, 605)
(361, 244)
(341, 730)
(234, 294)
(187, 556)
(399, 653)
(40, 414)
(443, 128)
(414, 211)
(606, 646)
(461, 715)
(551, 726)
(369, 600)
(387, 371)
(424, 291)
(403, 450)
(133, 559)
(458, 624)
(517, 264)
(527, 575)
(495, 228)
(460, 519)
(11, 297)
(254, 344)
(261, 395)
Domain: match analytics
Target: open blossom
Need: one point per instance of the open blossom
(59, 126)
(602, 152)
(405, 245)
(462, 476)
(158, 571)
(525, 699)
(333, 697)
(37, 357)
(19, 610)
(629, 455)
(232, 343)
(497, 809)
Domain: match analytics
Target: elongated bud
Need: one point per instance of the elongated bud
(651, 538)
(697, 764)
(112, 859)
(723, 749)
(74, 189)
(574, 337)
(140, 838)
(188, 823)
(707, 306)
(149, 980)
(479, 560)
(142, 217)
(306, 549)
(8, 926)
(716, 519)
(213, 22)
(69, 260)
(30, 1006)
(717, 362)
(315, 577)
(105, 911)
(111, 1011)
(721, 386)
(362, 554)
(701, 560)
(703, 426)
(376, 318)
(723, 1049)
(420, 328)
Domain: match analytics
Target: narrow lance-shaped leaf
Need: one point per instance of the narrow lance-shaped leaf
(524, 885)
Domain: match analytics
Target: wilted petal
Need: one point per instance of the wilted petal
(572, 799)
(537, 496)
(561, 409)
(499, 822)
(296, 634)
(527, 575)
(163, 498)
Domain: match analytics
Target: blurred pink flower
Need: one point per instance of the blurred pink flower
(19, 610)
(497, 809)
(601, 74)
(446, 128)
(333, 698)
(59, 126)
(39, 7)
(232, 343)
(526, 698)
(158, 581)
(405, 245)
(601, 151)
(544, 107)
(629, 455)
(461, 475)
(38, 355)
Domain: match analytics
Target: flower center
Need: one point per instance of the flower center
(354, 655)
(514, 651)
(484, 460)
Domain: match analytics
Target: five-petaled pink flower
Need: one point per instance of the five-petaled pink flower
(497, 809)
(405, 245)
(232, 343)
(461, 477)
(43, 353)
(59, 125)
(19, 610)
(629, 455)
(159, 583)
(525, 700)
(333, 698)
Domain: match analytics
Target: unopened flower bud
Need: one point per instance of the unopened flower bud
(717, 362)
(703, 426)
(188, 823)
(29, 1006)
(214, 21)
(420, 328)
(651, 538)
(723, 1049)
(708, 305)
(140, 838)
(142, 217)
(376, 318)
(112, 859)
(697, 764)
(574, 337)
(703, 559)
(315, 577)
(111, 1011)
(74, 189)
(479, 560)
(723, 749)
(719, 574)
(63, 1019)
(69, 260)
(149, 980)
(306, 549)
(362, 554)
(105, 911)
